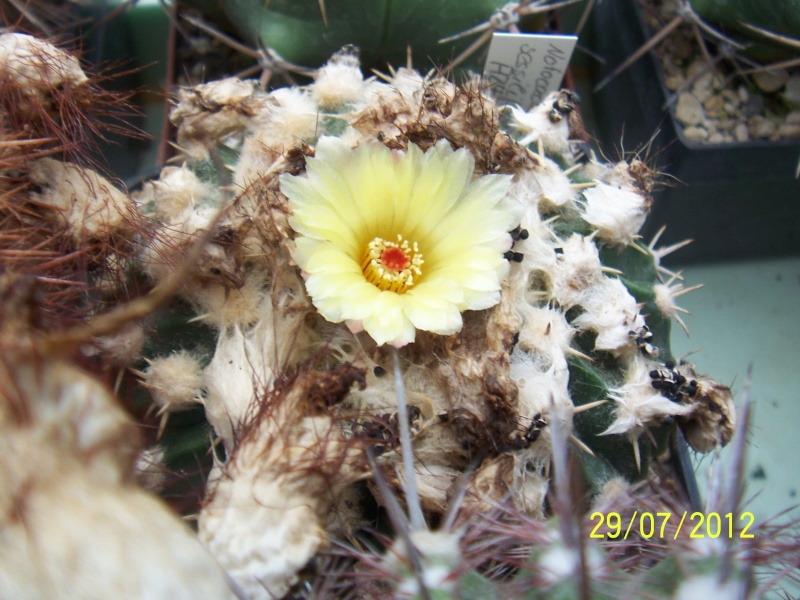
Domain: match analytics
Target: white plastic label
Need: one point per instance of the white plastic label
(522, 68)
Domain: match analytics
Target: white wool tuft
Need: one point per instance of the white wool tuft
(227, 92)
(577, 268)
(638, 404)
(555, 187)
(175, 381)
(176, 190)
(709, 587)
(612, 313)
(546, 333)
(221, 306)
(37, 66)
(292, 117)
(240, 372)
(535, 125)
(248, 502)
(277, 480)
(86, 203)
(408, 83)
(559, 563)
(540, 390)
(339, 82)
(666, 296)
(440, 558)
(216, 112)
(295, 118)
(617, 213)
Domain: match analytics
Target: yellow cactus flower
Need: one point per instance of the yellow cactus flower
(391, 242)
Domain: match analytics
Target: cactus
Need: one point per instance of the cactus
(574, 318)
(414, 321)
(748, 20)
(740, 30)
(386, 33)
(67, 443)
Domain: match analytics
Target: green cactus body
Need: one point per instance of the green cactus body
(383, 30)
(779, 16)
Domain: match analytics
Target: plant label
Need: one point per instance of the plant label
(522, 68)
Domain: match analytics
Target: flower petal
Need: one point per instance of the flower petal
(432, 312)
(352, 197)
(387, 323)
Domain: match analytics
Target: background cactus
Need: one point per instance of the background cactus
(740, 36)
(746, 17)
(571, 364)
(445, 34)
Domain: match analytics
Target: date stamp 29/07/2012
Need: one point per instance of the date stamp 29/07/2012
(612, 526)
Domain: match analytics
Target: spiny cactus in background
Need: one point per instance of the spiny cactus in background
(68, 446)
(766, 29)
(394, 298)
(308, 32)
(754, 36)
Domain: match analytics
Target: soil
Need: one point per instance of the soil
(715, 102)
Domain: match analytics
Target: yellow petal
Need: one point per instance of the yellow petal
(387, 323)
(350, 197)
(431, 312)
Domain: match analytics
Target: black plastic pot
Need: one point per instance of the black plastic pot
(736, 200)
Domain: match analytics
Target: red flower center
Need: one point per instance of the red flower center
(395, 259)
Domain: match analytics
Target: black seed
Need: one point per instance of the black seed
(379, 371)
(518, 256)
(515, 339)
(523, 234)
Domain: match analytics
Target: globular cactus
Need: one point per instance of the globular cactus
(409, 237)
(758, 25)
(418, 325)
(736, 38)
(306, 33)
(69, 495)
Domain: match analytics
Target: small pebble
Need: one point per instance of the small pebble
(674, 81)
(731, 97)
(703, 87)
(696, 68)
(715, 106)
(789, 130)
(695, 134)
(741, 133)
(760, 127)
(752, 106)
(792, 92)
(744, 96)
(716, 138)
(727, 124)
(771, 81)
(689, 110)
